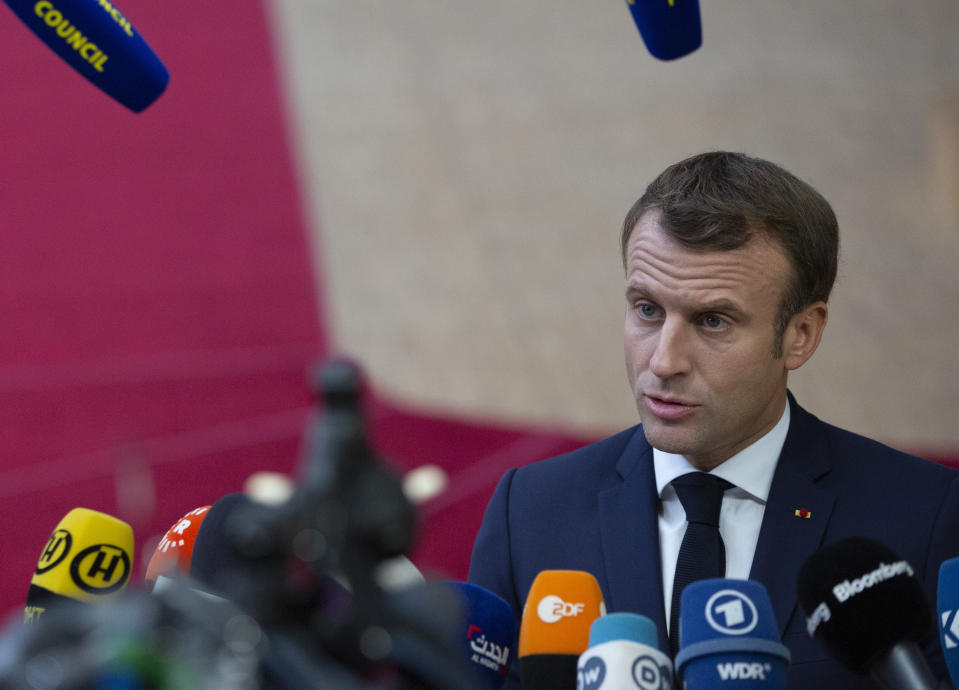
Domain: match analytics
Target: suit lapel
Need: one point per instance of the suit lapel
(630, 534)
(785, 539)
(629, 514)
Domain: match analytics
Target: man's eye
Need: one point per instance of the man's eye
(647, 311)
(714, 322)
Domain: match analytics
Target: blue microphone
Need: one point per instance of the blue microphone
(670, 28)
(488, 639)
(728, 637)
(947, 606)
(100, 43)
(623, 655)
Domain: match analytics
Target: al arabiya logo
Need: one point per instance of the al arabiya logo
(731, 613)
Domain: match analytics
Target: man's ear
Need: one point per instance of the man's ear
(803, 334)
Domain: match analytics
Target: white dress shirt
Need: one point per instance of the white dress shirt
(750, 471)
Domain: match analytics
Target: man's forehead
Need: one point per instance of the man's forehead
(657, 263)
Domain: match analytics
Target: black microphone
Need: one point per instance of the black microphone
(865, 605)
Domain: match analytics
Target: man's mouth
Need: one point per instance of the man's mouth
(667, 407)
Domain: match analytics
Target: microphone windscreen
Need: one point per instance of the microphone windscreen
(489, 632)
(947, 606)
(236, 557)
(861, 599)
(88, 558)
(729, 637)
(554, 629)
(560, 608)
(623, 626)
(99, 42)
(670, 28)
(214, 560)
(174, 553)
(623, 654)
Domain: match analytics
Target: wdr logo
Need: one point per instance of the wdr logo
(731, 613)
(950, 630)
(741, 670)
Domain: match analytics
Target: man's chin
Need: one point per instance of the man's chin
(661, 439)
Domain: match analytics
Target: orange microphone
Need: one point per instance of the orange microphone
(174, 553)
(554, 631)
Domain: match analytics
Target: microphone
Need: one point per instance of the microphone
(174, 553)
(490, 628)
(623, 655)
(100, 43)
(728, 637)
(88, 558)
(866, 607)
(218, 565)
(554, 630)
(670, 28)
(948, 609)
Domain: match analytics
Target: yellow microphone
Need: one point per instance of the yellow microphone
(88, 558)
(560, 608)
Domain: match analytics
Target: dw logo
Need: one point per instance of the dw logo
(731, 613)
(950, 631)
(591, 675)
(649, 675)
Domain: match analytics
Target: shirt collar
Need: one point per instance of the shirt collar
(751, 469)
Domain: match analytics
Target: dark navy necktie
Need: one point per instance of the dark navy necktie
(702, 554)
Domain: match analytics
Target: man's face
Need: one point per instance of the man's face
(699, 341)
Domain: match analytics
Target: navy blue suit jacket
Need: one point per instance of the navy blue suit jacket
(596, 509)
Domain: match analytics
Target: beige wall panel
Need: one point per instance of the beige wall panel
(468, 165)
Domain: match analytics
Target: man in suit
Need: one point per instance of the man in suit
(729, 263)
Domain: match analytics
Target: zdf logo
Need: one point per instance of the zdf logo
(950, 630)
(100, 569)
(731, 613)
(551, 609)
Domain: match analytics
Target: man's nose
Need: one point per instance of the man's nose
(671, 355)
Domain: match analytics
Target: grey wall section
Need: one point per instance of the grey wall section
(468, 166)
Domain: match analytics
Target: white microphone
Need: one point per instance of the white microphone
(623, 655)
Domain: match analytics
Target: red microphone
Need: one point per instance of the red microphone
(174, 553)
